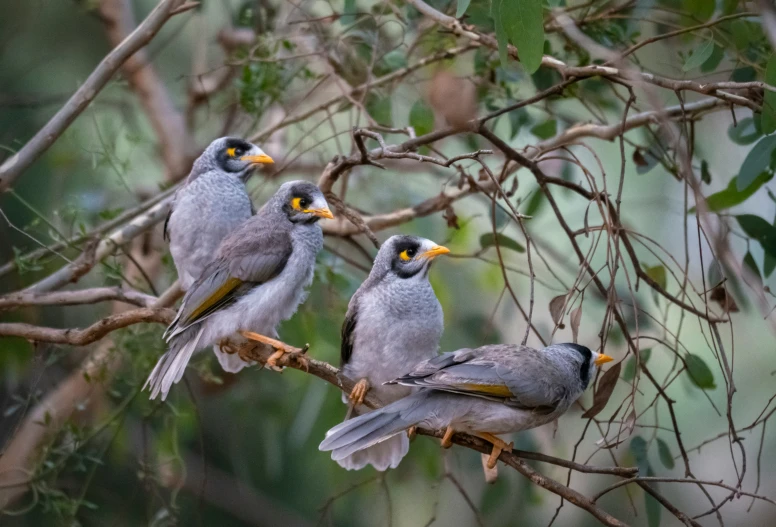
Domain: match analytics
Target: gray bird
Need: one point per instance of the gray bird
(257, 279)
(394, 321)
(212, 203)
(491, 390)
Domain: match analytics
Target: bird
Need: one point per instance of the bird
(258, 279)
(487, 391)
(212, 202)
(393, 322)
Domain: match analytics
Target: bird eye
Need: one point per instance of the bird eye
(407, 254)
(304, 203)
(300, 203)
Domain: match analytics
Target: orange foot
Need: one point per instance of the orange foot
(283, 352)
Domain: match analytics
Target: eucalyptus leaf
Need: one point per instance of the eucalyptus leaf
(421, 118)
(699, 55)
(757, 161)
(759, 229)
(664, 452)
(700, 374)
(524, 25)
(489, 240)
(731, 196)
(745, 133)
(463, 5)
(768, 122)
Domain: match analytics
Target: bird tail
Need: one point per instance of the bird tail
(372, 435)
(171, 366)
(230, 362)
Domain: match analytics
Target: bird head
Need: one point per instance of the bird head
(584, 359)
(302, 202)
(231, 155)
(408, 256)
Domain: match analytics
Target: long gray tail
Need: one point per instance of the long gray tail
(171, 366)
(373, 428)
(382, 456)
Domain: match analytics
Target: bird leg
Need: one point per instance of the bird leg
(281, 350)
(412, 432)
(499, 445)
(447, 439)
(358, 392)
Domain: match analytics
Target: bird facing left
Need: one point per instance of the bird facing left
(258, 279)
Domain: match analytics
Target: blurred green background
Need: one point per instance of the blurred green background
(242, 450)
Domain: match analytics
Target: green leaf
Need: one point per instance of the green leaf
(714, 60)
(524, 25)
(489, 240)
(380, 109)
(421, 118)
(741, 34)
(745, 133)
(769, 98)
(463, 5)
(546, 129)
(654, 508)
(699, 55)
(752, 265)
(656, 273)
(757, 161)
(536, 201)
(699, 372)
(666, 458)
(729, 6)
(638, 448)
(348, 13)
(705, 174)
(769, 263)
(730, 197)
(629, 371)
(759, 229)
(703, 9)
(501, 34)
(517, 119)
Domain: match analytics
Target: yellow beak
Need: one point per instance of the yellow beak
(602, 359)
(262, 159)
(435, 251)
(323, 213)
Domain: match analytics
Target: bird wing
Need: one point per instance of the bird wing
(468, 372)
(238, 270)
(348, 328)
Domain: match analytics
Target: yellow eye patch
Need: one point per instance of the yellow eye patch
(296, 203)
(404, 255)
(231, 152)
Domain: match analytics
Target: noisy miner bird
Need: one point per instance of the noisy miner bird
(212, 203)
(487, 391)
(257, 279)
(394, 321)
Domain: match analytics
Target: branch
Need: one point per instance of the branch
(21, 160)
(93, 333)
(71, 298)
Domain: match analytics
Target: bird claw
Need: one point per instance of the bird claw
(358, 393)
(447, 439)
(499, 445)
(227, 347)
(412, 432)
(283, 352)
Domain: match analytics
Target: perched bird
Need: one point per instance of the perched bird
(394, 321)
(257, 279)
(212, 203)
(491, 390)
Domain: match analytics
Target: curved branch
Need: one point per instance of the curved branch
(93, 333)
(72, 298)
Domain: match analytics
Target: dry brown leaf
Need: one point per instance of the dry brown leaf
(725, 300)
(556, 310)
(453, 98)
(604, 391)
(575, 319)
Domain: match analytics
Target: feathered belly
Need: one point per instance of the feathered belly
(260, 310)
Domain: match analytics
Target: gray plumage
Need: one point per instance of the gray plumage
(211, 204)
(257, 280)
(495, 389)
(393, 322)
